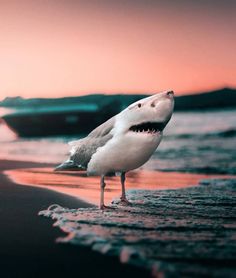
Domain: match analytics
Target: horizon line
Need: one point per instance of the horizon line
(127, 93)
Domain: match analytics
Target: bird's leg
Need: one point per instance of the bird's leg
(122, 179)
(103, 185)
(123, 196)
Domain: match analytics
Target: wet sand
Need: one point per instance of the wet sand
(78, 184)
(27, 242)
(189, 232)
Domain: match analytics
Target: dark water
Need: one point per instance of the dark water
(200, 142)
(163, 231)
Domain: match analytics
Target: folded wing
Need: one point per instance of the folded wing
(82, 150)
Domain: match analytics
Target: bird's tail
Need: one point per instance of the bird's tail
(69, 165)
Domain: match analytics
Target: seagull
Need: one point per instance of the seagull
(122, 143)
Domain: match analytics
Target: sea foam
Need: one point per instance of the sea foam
(163, 231)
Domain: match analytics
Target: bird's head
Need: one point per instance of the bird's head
(148, 116)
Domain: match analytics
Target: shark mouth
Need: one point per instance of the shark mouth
(148, 127)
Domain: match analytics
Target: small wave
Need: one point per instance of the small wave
(222, 134)
(159, 226)
(227, 133)
(200, 170)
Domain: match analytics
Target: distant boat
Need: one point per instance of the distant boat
(59, 120)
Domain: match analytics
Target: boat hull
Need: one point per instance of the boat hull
(52, 124)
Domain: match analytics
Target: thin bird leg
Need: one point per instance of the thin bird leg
(122, 179)
(102, 185)
(123, 196)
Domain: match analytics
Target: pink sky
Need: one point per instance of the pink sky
(61, 48)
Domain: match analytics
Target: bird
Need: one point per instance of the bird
(122, 143)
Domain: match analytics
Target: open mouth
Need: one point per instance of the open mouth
(148, 127)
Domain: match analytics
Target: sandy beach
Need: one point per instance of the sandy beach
(78, 184)
(27, 242)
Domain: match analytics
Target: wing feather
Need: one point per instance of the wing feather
(83, 149)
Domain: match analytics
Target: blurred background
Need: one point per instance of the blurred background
(67, 66)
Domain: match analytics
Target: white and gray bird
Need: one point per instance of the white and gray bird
(124, 142)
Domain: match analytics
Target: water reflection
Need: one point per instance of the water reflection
(87, 188)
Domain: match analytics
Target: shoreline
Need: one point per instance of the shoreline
(78, 185)
(28, 247)
(28, 242)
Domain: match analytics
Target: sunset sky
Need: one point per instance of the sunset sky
(61, 48)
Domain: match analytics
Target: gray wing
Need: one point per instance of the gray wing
(83, 149)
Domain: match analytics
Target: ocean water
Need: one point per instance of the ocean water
(163, 230)
(175, 232)
(199, 142)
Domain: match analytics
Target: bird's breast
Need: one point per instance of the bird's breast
(123, 152)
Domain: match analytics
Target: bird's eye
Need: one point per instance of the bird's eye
(139, 105)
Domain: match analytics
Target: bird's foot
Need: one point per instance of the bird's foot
(124, 202)
(103, 207)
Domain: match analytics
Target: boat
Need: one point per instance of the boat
(70, 119)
